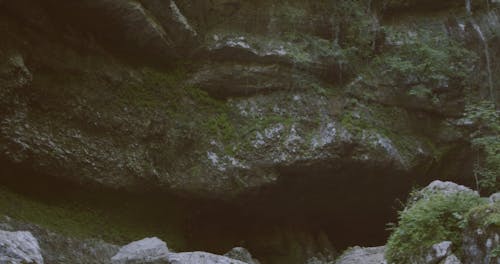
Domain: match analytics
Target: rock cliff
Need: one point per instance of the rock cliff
(299, 113)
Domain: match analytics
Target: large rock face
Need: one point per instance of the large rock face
(298, 85)
(283, 108)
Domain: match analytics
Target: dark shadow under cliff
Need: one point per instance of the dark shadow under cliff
(311, 210)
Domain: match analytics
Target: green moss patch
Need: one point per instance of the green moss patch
(113, 219)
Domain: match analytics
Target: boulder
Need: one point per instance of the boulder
(149, 250)
(61, 249)
(495, 198)
(155, 251)
(443, 188)
(357, 255)
(19, 247)
(446, 188)
(241, 254)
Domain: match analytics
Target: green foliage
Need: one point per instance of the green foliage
(354, 20)
(485, 116)
(486, 142)
(485, 216)
(421, 91)
(192, 108)
(426, 63)
(164, 89)
(353, 122)
(428, 221)
(220, 125)
(495, 253)
(305, 48)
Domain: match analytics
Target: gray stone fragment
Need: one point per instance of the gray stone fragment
(495, 198)
(148, 250)
(19, 247)
(451, 259)
(200, 258)
(242, 254)
(438, 252)
(358, 255)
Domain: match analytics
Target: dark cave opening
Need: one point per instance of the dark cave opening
(352, 206)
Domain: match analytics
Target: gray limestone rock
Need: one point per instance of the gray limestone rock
(495, 198)
(451, 259)
(446, 188)
(148, 250)
(155, 251)
(19, 247)
(61, 249)
(438, 252)
(242, 254)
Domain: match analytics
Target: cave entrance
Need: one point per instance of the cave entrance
(344, 207)
(350, 205)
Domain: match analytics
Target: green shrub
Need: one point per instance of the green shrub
(486, 143)
(495, 253)
(429, 221)
(425, 63)
(484, 216)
